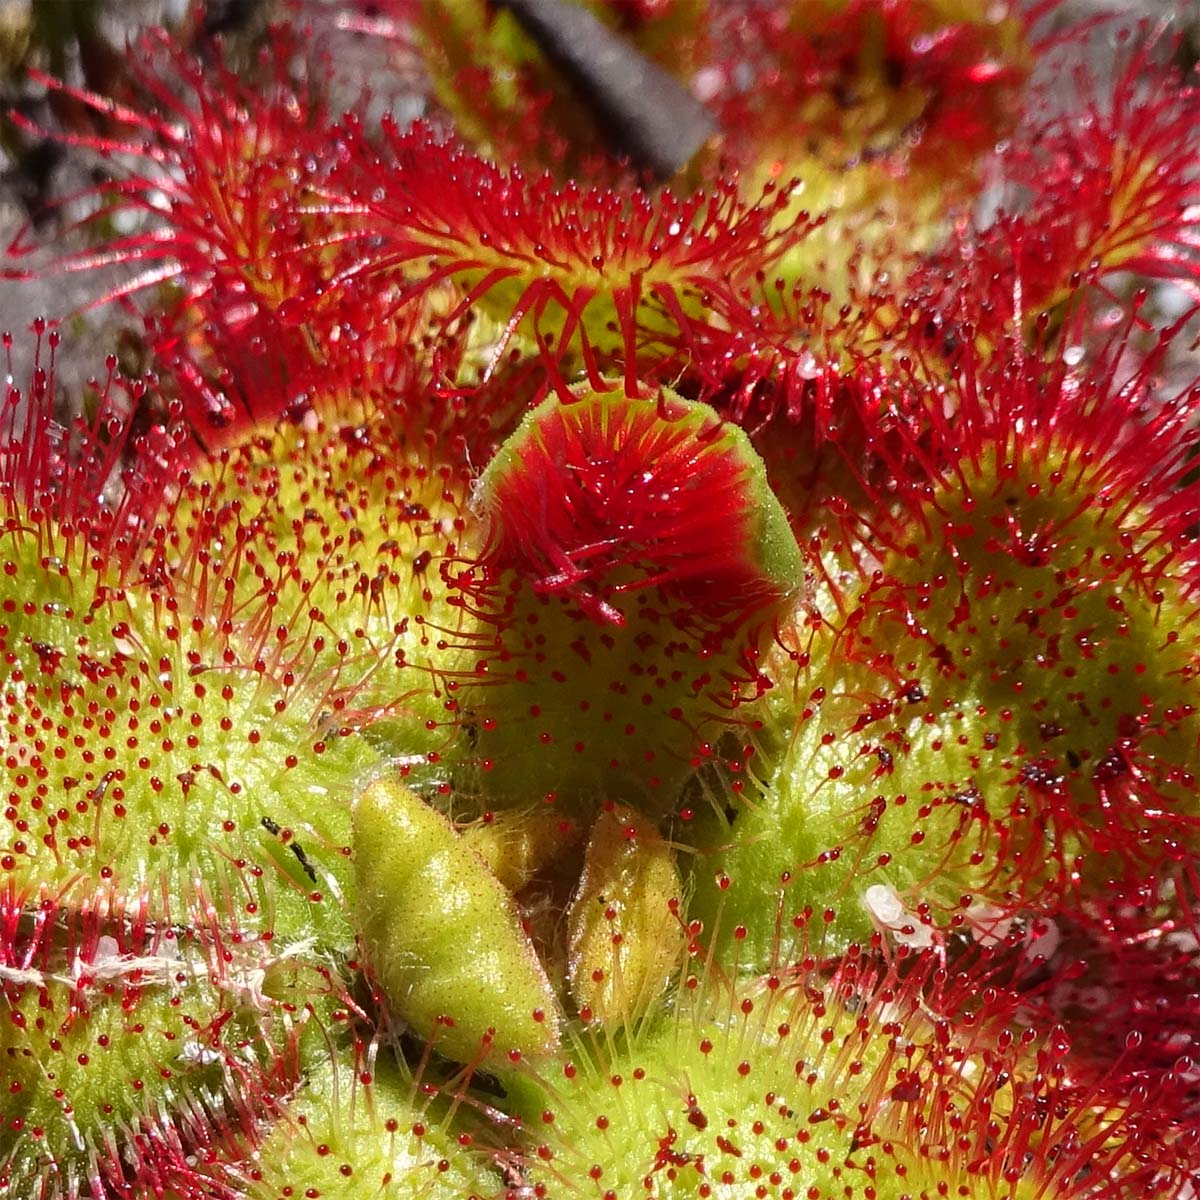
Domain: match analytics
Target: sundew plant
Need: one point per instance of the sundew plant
(635, 637)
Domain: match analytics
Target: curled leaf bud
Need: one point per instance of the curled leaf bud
(443, 935)
(624, 933)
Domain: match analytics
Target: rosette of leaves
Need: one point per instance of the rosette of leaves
(875, 621)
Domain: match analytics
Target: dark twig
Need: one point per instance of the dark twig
(644, 113)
